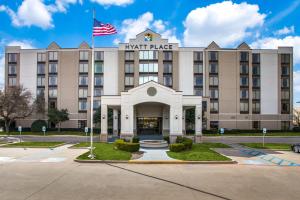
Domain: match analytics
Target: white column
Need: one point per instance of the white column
(198, 123)
(183, 122)
(175, 122)
(166, 120)
(103, 135)
(127, 117)
(115, 122)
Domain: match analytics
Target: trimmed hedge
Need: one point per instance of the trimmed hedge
(187, 142)
(177, 147)
(135, 140)
(37, 125)
(127, 146)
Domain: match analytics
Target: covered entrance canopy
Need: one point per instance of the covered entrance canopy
(147, 95)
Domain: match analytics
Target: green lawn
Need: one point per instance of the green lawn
(48, 133)
(35, 144)
(276, 146)
(201, 152)
(105, 151)
(255, 134)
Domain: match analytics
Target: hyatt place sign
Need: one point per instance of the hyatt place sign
(148, 46)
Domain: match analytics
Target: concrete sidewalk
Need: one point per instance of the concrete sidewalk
(155, 155)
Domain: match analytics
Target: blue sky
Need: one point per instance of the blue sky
(262, 24)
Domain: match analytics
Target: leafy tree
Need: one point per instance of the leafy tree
(40, 105)
(15, 103)
(58, 116)
(190, 118)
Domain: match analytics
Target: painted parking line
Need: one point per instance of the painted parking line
(7, 159)
(53, 160)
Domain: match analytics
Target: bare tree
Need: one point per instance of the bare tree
(15, 103)
(40, 105)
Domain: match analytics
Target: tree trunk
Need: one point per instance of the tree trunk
(7, 127)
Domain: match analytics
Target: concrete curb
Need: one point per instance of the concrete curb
(155, 162)
(37, 147)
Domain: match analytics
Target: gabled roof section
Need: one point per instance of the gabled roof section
(84, 45)
(53, 45)
(148, 30)
(213, 46)
(244, 46)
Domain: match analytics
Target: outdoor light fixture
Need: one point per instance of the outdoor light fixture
(166, 117)
(103, 116)
(126, 117)
(116, 117)
(176, 116)
(199, 117)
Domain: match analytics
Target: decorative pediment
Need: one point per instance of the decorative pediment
(243, 46)
(84, 45)
(213, 46)
(151, 84)
(53, 46)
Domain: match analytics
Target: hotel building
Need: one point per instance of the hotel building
(149, 84)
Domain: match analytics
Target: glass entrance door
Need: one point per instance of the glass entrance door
(149, 125)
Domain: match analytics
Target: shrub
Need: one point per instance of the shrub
(135, 139)
(127, 146)
(167, 138)
(177, 147)
(179, 139)
(37, 125)
(187, 142)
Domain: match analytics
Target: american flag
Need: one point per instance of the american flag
(100, 29)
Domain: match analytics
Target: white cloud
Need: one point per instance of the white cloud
(113, 2)
(227, 23)
(272, 42)
(62, 5)
(285, 30)
(24, 44)
(143, 22)
(297, 82)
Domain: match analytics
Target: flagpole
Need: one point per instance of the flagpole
(92, 156)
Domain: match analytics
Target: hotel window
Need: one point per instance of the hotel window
(83, 80)
(41, 68)
(244, 94)
(214, 93)
(256, 82)
(198, 80)
(53, 68)
(12, 69)
(41, 57)
(244, 68)
(52, 92)
(255, 107)
(82, 92)
(198, 68)
(52, 55)
(40, 91)
(40, 81)
(255, 69)
(12, 57)
(244, 56)
(244, 107)
(12, 81)
(129, 55)
(168, 80)
(214, 124)
(83, 68)
(255, 58)
(52, 80)
(285, 70)
(198, 91)
(129, 68)
(168, 55)
(214, 106)
(82, 123)
(129, 80)
(99, 55)
(213, 68)
(148, 67)
(256, 94)
(97, 104)
(285, 58)
(198, 56)
(285, 107)
(167, 68)
(82, 105)
(98, 81)
(98, 68)
(256, 125)
(213, 81)
(84, 55)
(285, 94)
(147, 78)
(148, 55)
(244, 81)
(98, 92)
(213, 56)
(285, 82)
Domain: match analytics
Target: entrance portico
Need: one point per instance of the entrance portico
(171, 103)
